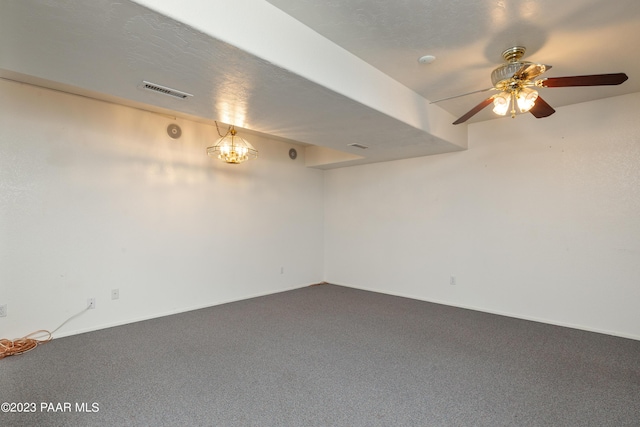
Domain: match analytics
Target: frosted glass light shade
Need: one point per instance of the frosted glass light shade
(501, 103)
(526, 99)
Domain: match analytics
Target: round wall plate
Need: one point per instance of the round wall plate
(174, 131)
(293, 154)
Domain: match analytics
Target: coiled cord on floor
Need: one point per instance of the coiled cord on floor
(29, 342)
(24, 344)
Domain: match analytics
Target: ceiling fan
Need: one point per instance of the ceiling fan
(514, 80)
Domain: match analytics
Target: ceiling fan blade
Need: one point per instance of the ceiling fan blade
(541, 109)
(590, 80)
(530, 71)
(475, 110)
(464, 94)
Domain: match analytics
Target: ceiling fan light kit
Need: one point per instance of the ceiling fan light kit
(515, 79)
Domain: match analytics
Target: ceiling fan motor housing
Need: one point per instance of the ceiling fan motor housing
(506, 72)
(510, 67)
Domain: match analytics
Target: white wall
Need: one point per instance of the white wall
(95, 196)
(539, 219)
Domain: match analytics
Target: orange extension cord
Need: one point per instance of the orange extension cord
(31, 341)
(24, 344)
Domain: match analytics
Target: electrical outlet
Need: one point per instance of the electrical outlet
(115, 293)
(281, 270)
(452, 280)
(3, 310)
(91, 303)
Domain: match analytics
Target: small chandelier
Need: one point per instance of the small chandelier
(232, 148)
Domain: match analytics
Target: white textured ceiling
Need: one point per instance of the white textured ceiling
(324, 73)
(467, 38)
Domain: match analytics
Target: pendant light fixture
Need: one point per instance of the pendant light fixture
(231, 148)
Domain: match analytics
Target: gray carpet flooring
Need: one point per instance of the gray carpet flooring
(328, 356)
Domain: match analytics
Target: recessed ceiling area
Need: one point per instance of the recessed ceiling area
(576, 37)
(327, 74)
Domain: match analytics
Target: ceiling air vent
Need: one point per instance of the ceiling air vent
(163, 90)
(355, 144)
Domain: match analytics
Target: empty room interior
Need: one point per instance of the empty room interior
(358, 213)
